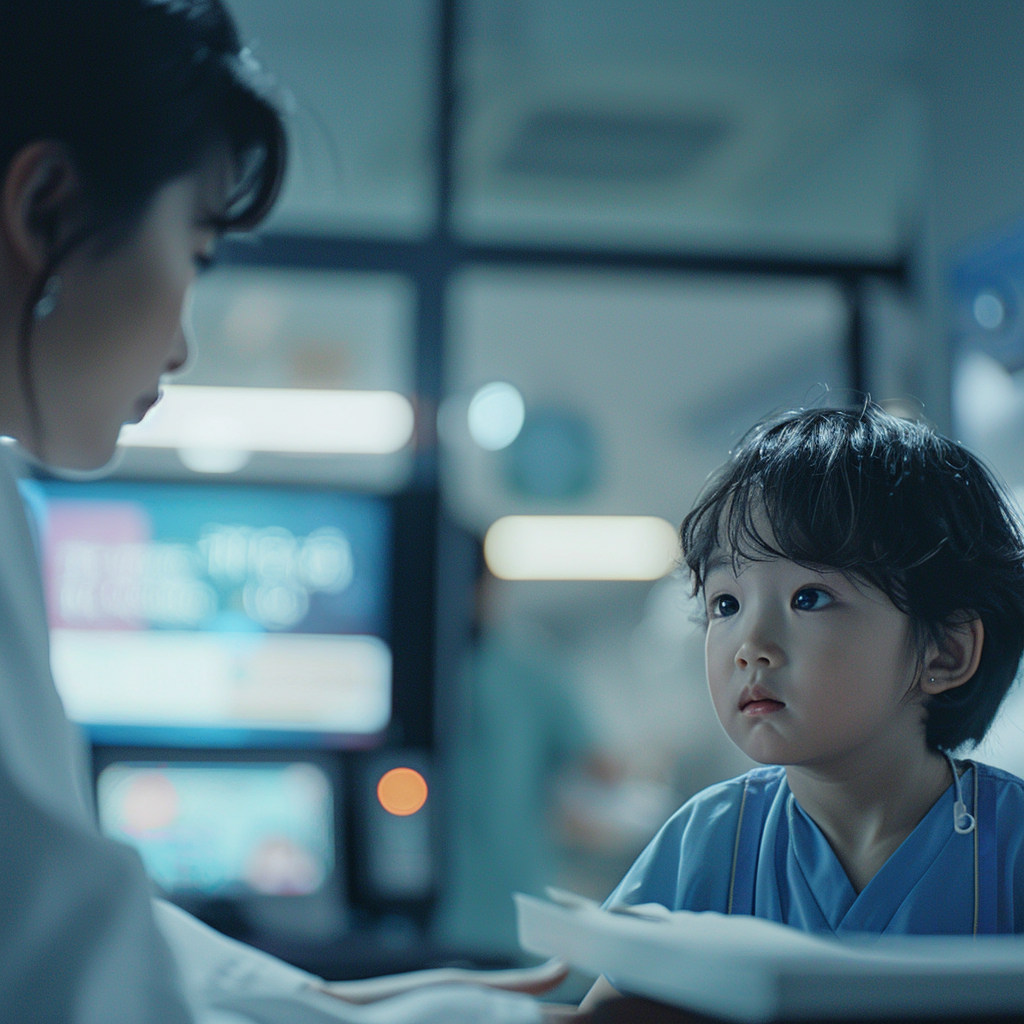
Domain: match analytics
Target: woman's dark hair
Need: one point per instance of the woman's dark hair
(138, 92)
(895, 504)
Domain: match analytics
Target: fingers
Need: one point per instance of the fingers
(534, 981)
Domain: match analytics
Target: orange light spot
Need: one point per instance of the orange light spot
(402, 791)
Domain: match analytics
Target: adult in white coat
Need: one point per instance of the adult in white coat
(132, 136)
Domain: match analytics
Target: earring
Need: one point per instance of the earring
(48, 297)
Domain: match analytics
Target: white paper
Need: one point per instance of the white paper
(748, 969)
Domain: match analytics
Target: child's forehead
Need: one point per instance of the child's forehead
(735, 563)
(732, 559)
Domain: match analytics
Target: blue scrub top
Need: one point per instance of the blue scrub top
(787, 872)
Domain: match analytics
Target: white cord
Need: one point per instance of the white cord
(963, 823)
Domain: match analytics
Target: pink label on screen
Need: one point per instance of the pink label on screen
(94, 564)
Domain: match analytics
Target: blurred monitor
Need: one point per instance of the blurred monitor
(225, 830)
(198, 615)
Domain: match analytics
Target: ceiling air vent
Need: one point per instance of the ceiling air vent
(612, 147)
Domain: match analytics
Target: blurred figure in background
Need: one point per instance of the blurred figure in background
(520, 730)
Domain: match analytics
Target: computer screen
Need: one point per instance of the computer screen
(224, 829)
(210, 615)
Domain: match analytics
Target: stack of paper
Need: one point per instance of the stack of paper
(747, 969)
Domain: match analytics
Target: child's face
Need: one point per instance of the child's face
(806, 666)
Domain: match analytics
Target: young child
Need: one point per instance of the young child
(863, 581)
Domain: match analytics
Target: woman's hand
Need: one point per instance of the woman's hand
(534, 981)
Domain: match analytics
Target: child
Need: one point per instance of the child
(863, 582)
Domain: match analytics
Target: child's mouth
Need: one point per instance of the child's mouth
(762, 707)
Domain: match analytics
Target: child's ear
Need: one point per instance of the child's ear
(954, 660)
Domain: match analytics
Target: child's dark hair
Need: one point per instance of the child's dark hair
(893, 503)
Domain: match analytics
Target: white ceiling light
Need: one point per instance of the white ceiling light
(299, 420)
(214, 460)
(581, 548)
(496, 415)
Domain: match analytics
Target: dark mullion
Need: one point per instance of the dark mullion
(312, 252)
(856, 353)
(417, 257)
(446, 113)
(683, 262)
(434, 261)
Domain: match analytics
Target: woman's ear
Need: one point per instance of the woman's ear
(954, 660)
(40, 202)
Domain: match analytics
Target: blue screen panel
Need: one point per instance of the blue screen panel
(219, 616)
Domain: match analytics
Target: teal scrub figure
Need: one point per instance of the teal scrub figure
(520, 728)
(775, 862)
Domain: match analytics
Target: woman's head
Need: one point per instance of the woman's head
(133, 134)
(890, 503)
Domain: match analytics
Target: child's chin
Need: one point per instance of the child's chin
(765, 758)
(764, 749)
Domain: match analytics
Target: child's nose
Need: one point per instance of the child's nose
(759, 651)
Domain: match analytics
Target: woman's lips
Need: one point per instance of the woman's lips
(142, 406)
(762, 707)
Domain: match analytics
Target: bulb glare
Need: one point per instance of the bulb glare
(581, 548)
(496, 415)
(297, 420)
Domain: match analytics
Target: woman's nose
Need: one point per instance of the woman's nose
(178, 356)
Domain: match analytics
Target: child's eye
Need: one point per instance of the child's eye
(724, 606)
(810, 599)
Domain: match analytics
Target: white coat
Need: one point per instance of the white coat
(81, 940)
